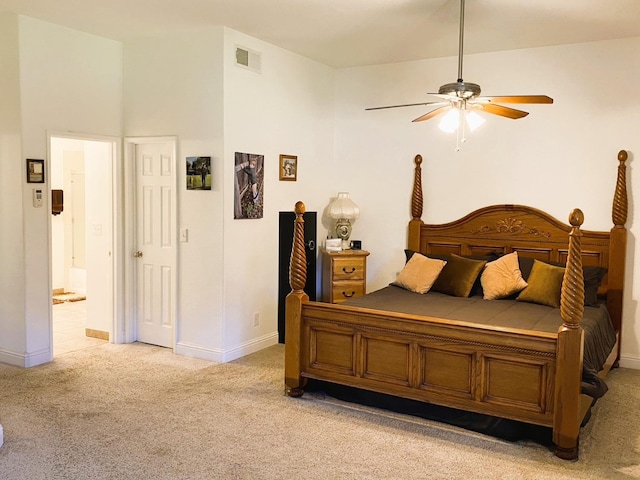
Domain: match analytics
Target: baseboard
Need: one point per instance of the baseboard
(26, 360)
(90, 332)
(251, 347)
(223, 356)
(628, 361)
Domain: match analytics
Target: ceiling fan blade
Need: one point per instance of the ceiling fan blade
(516, 99)
(405, 105)
(432, 113)
(503, 111)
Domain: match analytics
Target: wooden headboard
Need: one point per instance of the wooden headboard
(532, 233)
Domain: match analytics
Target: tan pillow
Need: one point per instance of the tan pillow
(502, 277)
(419, 273)
(545, 284)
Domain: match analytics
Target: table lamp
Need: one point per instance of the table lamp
(343, 210)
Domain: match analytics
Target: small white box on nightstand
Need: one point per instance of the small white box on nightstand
(333, 245)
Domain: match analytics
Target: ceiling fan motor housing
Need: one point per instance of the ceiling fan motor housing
(460, 89)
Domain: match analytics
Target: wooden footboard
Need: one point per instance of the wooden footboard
(523, 375)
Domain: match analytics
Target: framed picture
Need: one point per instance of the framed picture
(199, 173)
(288, 167)
(35, 171)
(248, 185)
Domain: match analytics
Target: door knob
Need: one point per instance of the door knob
(138, 254)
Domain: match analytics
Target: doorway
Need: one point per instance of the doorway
(82, 171)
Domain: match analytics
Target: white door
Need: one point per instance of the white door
(156, 242)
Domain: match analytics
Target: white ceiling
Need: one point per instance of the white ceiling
(344, 33)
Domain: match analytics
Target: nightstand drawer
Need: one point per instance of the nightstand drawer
(348, 268)
(344, 275)
(347, 290)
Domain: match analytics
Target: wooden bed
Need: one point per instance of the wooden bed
(517, 374)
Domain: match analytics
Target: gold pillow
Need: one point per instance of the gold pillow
(545, 284)
(419, 273)
(502, 277)
(458, 276)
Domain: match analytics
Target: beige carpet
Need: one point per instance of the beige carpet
(140, 412)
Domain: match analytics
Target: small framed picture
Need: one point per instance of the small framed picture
(35, 171)
(199, 173)
(288, 167)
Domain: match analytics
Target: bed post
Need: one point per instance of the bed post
(413, 242)
(294, 383)
(566, 419)
(618, 246)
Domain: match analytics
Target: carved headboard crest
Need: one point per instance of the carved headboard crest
(512, 226)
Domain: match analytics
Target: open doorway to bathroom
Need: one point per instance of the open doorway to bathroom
(82, 241)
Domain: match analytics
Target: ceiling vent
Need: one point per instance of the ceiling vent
(250, 59)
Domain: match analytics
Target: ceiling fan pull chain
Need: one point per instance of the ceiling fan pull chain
(461, 41)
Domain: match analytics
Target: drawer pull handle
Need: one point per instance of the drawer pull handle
(344, 294)
(344, 269)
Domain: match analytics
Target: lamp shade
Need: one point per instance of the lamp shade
(344, 208)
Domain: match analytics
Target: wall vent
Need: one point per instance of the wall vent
(247, 58)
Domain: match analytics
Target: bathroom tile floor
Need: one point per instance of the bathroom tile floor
(69, 321)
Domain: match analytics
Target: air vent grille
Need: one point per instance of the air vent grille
(250, 59)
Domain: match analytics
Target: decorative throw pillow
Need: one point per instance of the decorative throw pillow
(419, 273)
(458, 276)
(502, 277)
(593, 276)
(545, 284)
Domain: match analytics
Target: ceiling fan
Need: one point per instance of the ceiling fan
(460, 100)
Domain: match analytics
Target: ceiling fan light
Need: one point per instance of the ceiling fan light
(450, 121)
(473, 120)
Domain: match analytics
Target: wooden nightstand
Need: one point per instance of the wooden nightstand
(344, 275)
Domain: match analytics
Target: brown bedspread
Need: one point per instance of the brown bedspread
(599, 335)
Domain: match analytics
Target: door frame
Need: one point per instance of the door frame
(116, 227)
(129, 326)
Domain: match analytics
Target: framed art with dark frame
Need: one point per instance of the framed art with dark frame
(288, 168)
(35, 171)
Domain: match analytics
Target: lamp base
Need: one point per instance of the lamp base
(343, 229)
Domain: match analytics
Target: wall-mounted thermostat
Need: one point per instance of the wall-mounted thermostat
(37, 197)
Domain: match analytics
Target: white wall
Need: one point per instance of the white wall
(12, 173)
(173, 86)
(98, 167)
(560, 157)
(288, 108)
(69, 81)
(188, 85)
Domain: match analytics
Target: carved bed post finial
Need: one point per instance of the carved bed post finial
(620, 205)
(572, 294)
(298, 263)
(416, 198)
(569, 348)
